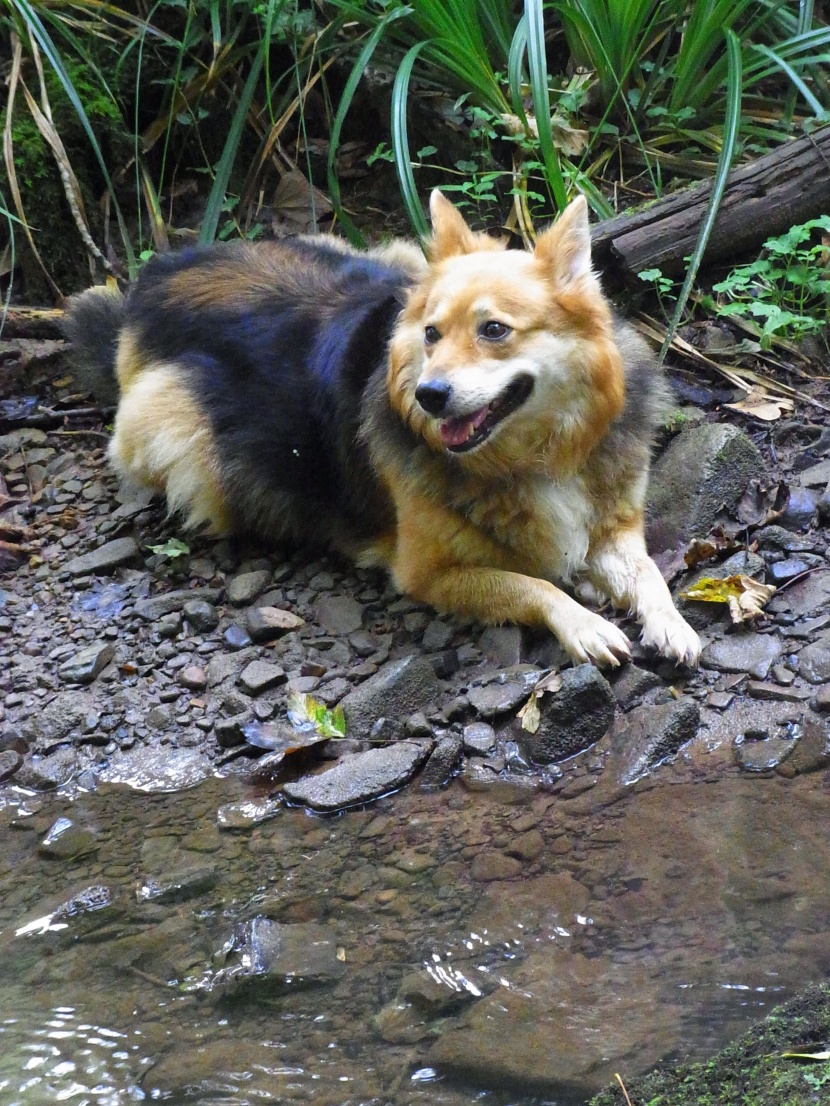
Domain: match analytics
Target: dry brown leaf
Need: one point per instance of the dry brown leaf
(530, 714)
(761, 405)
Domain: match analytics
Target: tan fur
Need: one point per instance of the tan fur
(163, 440)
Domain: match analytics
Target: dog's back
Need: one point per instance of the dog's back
(241, 370)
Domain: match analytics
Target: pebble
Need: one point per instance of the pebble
(744, 651)
(339, 614)
(267, 623)
(87, 664)
(106, 557)
(235, 637)
(193, 677)
(479, 739)
(260, 676)
(201, 615)
(159, 605)
(359, 777)
(245, 587)
(508, 691)
(814, 660)
(489, 866)
(759, 689)
(782, 571)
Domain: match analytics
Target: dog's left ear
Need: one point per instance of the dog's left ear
(450, 234)
(565, 248)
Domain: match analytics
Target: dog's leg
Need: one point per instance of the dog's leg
(493, 595)
(622, 568)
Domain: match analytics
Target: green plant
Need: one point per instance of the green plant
(787, 289)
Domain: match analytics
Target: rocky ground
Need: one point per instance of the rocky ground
(132, 656)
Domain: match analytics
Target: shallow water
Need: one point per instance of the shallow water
(658, 927)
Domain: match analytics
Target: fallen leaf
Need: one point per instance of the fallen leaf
(172, 548)
(805, 1055)
(746, 597)
(762, 503)
(306, 713)
(761, 405)
(530, 714)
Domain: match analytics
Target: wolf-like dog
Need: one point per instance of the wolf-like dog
(478, 422)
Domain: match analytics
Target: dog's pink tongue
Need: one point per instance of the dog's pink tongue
(457, 431)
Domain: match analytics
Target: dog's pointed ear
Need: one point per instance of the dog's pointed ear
(565, 248)
(450, 234)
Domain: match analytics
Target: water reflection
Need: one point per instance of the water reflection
(655, 928)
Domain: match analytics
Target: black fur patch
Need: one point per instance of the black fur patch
(92, 323)
(281, 373)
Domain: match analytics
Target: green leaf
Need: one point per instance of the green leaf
(171, 548)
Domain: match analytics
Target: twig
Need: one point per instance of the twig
(618, 1077)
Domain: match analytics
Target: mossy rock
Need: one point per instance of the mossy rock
(753, 1071)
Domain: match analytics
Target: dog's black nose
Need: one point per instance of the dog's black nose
(433, 395)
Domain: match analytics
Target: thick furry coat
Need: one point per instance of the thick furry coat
(480, 424)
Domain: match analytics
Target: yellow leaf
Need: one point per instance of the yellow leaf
(745, 596)
(530, 714)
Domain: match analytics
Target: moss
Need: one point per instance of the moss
(753, 1070)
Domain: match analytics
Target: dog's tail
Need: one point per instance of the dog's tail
(92, 322)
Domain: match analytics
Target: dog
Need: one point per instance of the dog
(478, 422)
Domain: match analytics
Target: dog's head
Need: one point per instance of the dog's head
(503, 356)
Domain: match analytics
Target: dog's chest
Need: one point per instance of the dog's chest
(545, 525)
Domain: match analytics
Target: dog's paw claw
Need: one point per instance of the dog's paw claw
(593, 640)
(670, 634)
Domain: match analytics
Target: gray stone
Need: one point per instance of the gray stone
(64, 718)
(814, 660)
(744, 651)
(267, 957)
(360, 777)
(502, 645)
(245, 587)
(760, 689)
(650, 735)
(229, 732)
(812, 749)
(631, 683)
(704, 468)
(267, 623)
(159, 605)
(490, 865)
(106, 557)
(47, 773)
(437, 636)
(754, 755)
(10, 761)
(782, 571)
(247, 814)
(223, 666)
(202, 616)
(395, 691)
(157, 769)
(801, 508)
(339, 614)
(507, 691)
(87, 664)
(236, 637)
(260, 676)
(178, 885)
(817, 476)
(442, 764)
(479, 739)
(572, 719)
(68, 841)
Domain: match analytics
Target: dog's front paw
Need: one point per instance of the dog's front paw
(589, 638)
(670, 634)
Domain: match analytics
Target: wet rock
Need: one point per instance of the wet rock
(527, 846)
(226, 666)
(201, 615)
(266, 958)
(260, 676)
(506, 787)
(822, 699)
(443, 762)
(490, 865)
(743, 651)
(159, 605)
(502, 645)
(339, 614)
(437, 636)
(630, 684)
(157, 769)
(761, 752)
(178, 885)
(650, 735)
(801, 508)
(506, 691)
(704, 468)
(66, 717)
(422, 1005)
(572, 719)
(105, 558)
(814, 661)
(479, 739)
(760, 689)
(395, 691)
(246, 815)
(236, 637)
(10, 761)
(78, 916)
(781, 572)
(170, 625)
(812, 747)
(360, 777)
(245, 587)
(267, 623)
(66, 840)
(87, 664)
(385, 730)
(230, 732)
(48, 772)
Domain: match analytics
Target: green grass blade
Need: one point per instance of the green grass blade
(39, 33)
(400, 141)
(352, 233)
(815, 106)
(538, 70)
(213, 208)
(515, 68)
(730, 133)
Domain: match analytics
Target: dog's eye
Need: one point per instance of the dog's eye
(431, 335)
(494, 331)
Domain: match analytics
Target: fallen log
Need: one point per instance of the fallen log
(31, 322)
(762, 199)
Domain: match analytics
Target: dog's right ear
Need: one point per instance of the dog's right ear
(451, 236)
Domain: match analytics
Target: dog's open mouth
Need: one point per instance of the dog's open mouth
(462, 434)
